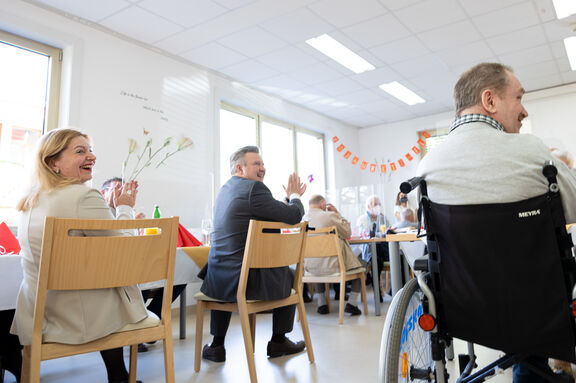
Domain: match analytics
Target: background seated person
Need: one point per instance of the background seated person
(407, 219)
(322, 214)
(371, 222)
(242, 198)
(64, 163)
(110, 190)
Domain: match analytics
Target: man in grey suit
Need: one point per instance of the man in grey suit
(242, 198)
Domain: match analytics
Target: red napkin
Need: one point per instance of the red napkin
(8, 242)
(185, 239)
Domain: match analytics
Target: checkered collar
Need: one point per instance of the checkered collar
(468, 118)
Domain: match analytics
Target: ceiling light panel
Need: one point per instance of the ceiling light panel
(339, 53)
(402, 93)
(564, 8)
(570, 45)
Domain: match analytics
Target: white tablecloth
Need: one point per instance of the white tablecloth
(10, 280)
(11, 276)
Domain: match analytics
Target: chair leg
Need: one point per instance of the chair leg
(305, 329)
(342, 300)
(363, 286)
(252, 318)
(245, 322)
(199, 331)
(327, 294)
(32, 361)
(25, 378)
(133, 363)
(168, 355)
(387, 288)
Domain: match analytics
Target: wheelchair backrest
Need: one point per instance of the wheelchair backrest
(502, 274)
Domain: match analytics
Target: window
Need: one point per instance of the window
(28, 107)
(437, 136)
(285, 148)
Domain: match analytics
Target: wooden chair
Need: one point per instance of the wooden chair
(78, 263)
(268, 245)
(325, 242)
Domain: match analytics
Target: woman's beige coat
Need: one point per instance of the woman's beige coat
(71, 317)
(325, 266)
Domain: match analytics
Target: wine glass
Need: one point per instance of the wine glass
(206, 231)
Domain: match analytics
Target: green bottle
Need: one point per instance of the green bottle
(157, 212)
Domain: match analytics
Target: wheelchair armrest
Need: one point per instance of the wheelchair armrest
(421, 263)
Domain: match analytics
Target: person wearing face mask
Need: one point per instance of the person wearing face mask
(402, 204)
(372, 222)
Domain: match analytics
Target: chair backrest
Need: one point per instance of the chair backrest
(500, 273)
(322, 242)
(271, 245)
(74, 258)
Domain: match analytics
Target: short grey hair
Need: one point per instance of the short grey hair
(316, 200)
(370, 201)
(237, 158)
(468, 90)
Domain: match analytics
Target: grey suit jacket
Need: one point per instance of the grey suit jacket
(239, 201)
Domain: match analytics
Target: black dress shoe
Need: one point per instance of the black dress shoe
(307, 298)
(215, 354)
(142, 347)
(276, 349)
(352, 310)
(323, 310)
(122, 381)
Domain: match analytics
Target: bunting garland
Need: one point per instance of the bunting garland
(409, 156)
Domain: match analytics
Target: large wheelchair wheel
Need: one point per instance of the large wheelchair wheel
(406, 353)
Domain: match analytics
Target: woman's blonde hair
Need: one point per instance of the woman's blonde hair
(51, 145)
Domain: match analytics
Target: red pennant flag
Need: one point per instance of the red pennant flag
(347, 154)
(363, 165)
(335, 139)
(383, 168)
(355, 160)
(340, 147)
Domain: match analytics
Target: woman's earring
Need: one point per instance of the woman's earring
(57, 171)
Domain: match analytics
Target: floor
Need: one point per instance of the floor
(344, 353)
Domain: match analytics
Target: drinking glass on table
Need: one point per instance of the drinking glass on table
(206, 230)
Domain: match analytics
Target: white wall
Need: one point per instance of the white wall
(552, 117)
(175, 98)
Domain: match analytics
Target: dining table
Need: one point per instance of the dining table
(185, 271)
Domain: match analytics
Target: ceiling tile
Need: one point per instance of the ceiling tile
(507, 20)
(518, 40)
(231, 4)
(415, 67)
(281, 82)
(249, 71)
(252, 42)
(287, 59)
(316, 73)
(184, 12)
(297, 26)
(379, 30)
(214, 56)
(558, 30)
(342, 13)
(475, 7)
(400, 50)
(466, 54)
(426, 15)
(452, 35)
(338, 87)
(542, 82)
(362, 96)
(568, 77)
(534, 71)
(141, 25)
(527, 56)
(394, 5)
(91, 10)
(545, 9)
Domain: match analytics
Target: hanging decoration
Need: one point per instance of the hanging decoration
(393, 166)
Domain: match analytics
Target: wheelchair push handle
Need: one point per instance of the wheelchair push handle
(407, 186)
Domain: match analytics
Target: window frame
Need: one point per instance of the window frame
(55, 56)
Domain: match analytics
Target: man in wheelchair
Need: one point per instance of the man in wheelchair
(500, 271)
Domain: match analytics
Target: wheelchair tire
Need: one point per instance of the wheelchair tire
(407, 350)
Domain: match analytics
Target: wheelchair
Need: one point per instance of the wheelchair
(497, 275)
